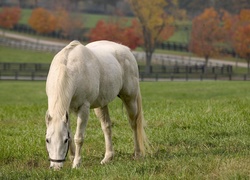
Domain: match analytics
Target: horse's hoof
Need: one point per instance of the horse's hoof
(76, 163)
(108, 157)
(105, 161)
(76, 166)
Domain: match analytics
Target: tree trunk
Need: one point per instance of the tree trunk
(206, 60)
(206, 63)
(148, 62)
(248, 66)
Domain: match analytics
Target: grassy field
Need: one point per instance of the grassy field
(8, 54)
(198, 130)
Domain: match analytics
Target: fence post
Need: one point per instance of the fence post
(16, 75)
(222, 69)
(33, 76)
(172, 76)
(142, 78)
(163, 68)
(156, 77)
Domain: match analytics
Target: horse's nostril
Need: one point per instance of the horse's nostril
(57, 168)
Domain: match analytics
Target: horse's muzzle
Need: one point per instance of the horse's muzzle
(56, 166)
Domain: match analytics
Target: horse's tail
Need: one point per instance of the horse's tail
(141, 135)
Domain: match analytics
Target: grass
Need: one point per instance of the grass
(25, 56)
(198, 130)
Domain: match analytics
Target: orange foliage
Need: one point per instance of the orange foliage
(42, 21)
(244, 16)
(242, 41)
(9, 16)
(232, 22)
(237, 31)
(66, 23)
(115, 31)
(206, 33)
(242, 35)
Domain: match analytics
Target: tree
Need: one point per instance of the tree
(206, 34)
(67, 24)
(9, 16)
(131, 35)
(117, 31)
(154, 23)
(237, 28)
(242, 43)
(42, 21)
(237, 35)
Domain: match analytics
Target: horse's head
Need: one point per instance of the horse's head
(57, 139)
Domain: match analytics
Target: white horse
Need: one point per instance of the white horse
(85, 77)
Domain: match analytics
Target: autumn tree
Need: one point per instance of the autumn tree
(237, 33)
(117, 31)
(9, 16)
(242, 43)
(206, 34)
(66, 24)
(42, 21)
(241, 36)
(155, 24)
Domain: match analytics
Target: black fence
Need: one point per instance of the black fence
(39, 71)
(23, 71)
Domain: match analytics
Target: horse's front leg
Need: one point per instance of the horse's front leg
(82, 119)
(103, 115)
(71, 146)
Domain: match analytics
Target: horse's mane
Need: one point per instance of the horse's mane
(60, 82)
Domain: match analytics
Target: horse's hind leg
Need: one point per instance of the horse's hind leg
(103, 115)
(134, 109)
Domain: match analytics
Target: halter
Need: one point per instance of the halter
(64, 159)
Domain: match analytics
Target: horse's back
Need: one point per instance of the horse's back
(121, 54)
(126, 60)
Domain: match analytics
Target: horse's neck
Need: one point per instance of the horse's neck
(62, 89)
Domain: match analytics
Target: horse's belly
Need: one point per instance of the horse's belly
(110, 86)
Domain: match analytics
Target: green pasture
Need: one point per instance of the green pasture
(197, 130)
(8, 54)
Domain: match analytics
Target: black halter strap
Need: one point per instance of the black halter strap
(61, 160)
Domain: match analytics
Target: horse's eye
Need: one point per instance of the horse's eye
(47, 140)
(66, 140)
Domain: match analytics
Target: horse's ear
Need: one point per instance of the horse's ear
(66, 117)
(47, 118)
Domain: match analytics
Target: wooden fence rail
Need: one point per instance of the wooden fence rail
(39, 71)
